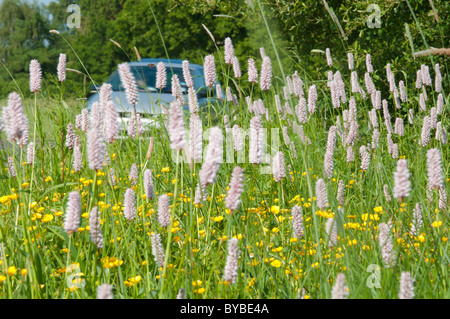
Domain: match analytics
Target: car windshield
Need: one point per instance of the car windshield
(146, 79)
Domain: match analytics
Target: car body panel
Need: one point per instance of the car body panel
(151, 99)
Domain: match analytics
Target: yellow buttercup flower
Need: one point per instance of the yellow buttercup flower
(315, 265)
(275, 209)
(436, 223)
(12, 271)
(378, 209)
(276, 263)
(47, 218)
(201, 290)
(111, 262)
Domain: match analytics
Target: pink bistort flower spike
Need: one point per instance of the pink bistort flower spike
(161, 76)
(129, 204)
(236, 187)
(434, 168)
(252, 71)
(105, 292)
(369, 63)
(73, 213)
(232, 265)
(266, 74)
(176, 127)
(129, 83)
(95, 148)
(236, 68)
(157, 249)
(402, 184)
(148, 184)
(62, 67)
(406, 286)
(95, 231)
(210, 71)
(278, 169)
(163, 210)
(340, 289)
(196, 138)
(328, 56)
(229, 51)
(187, 75)
(35, 76)
(321, 194)
(297, 221)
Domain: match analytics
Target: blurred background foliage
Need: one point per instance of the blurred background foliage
(293, 30)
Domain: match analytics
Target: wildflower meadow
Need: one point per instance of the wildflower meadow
(284, 186)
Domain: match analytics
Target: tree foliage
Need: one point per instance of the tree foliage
(23, 30)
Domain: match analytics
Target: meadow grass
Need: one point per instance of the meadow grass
(40, 260)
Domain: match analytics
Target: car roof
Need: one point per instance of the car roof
(167, 62)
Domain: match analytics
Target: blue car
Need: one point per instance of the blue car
(150, 98)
